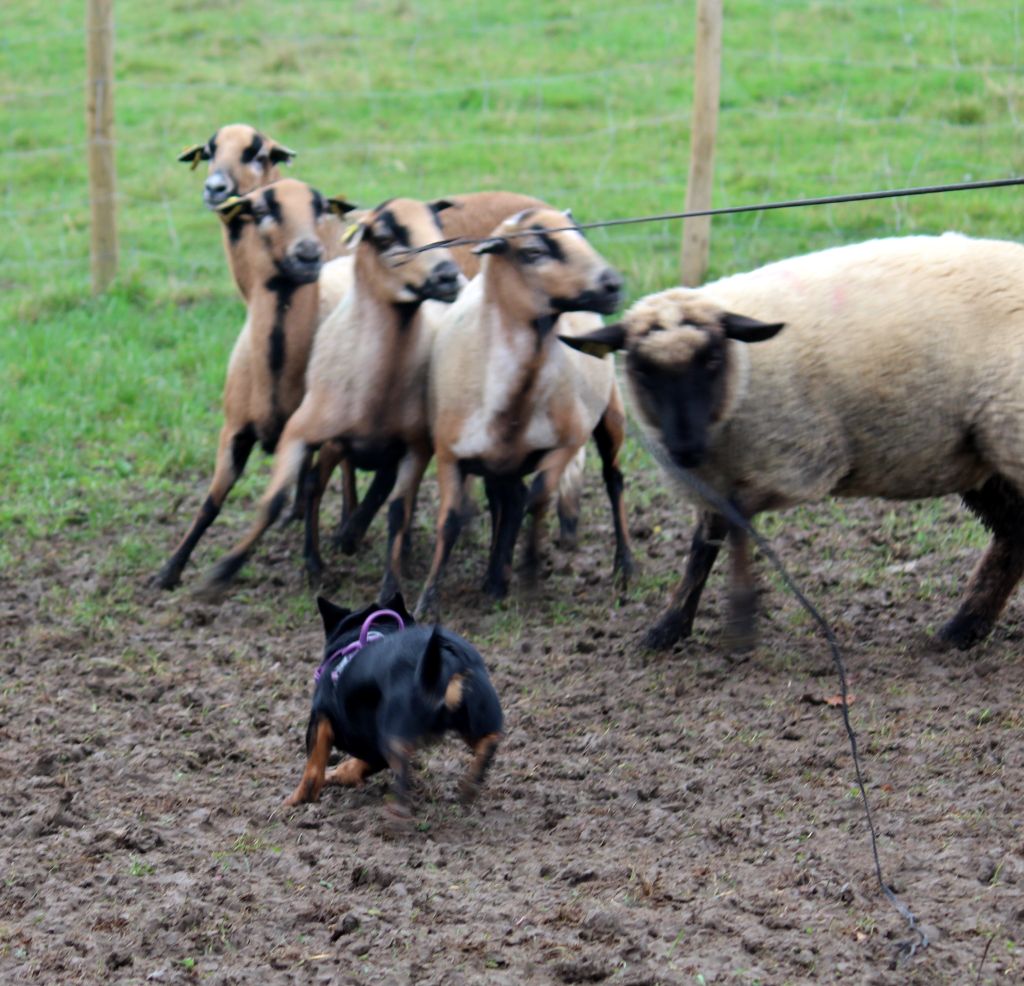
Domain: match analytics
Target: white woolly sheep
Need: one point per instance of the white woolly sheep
(506, 399)
(898, 374)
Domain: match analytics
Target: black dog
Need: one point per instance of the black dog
(385, 686)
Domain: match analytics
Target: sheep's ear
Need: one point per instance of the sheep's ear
(439, 205)
(600, 342)
(340, 207)
(194, 154)
(330, 614)
(279, 154)
(496, 244)
(744, 329)
(234, 208)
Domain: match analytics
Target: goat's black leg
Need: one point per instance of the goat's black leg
(233, 452)
(509, 494)
(609, 436)
(354, 529)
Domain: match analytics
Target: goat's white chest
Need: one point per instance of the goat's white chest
(514, 403)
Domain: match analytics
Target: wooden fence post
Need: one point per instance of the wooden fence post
(100, 128)
(696, 241)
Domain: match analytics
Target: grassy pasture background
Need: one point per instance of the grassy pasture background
(584, 103)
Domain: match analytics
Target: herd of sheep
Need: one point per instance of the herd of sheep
(888, 368)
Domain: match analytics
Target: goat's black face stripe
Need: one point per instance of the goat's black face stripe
(394, 228)
(253, 149)
(543, 324)
(282, 288)
(273, 206)
(550, 244)
(235, 227)
(319, 206)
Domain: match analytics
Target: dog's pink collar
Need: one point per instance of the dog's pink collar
(366, 636)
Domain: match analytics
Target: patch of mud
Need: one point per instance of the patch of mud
(650, 819)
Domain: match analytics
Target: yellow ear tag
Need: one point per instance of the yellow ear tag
(195, 161)
(346, 237)
(230, 208)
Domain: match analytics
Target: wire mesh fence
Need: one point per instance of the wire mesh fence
(585, 104)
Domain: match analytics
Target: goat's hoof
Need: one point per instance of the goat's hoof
(212, 591)
(346, 544)
(166, 578)
(965, 630)
(665, 633)
(568, 538)
(314, 574)
(739, 637)
(496, 588)
(622, 572)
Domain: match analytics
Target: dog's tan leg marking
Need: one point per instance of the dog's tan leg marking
(351, 772)
(453, 693)
(483, 753)
(313, 776)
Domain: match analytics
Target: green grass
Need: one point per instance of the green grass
(106, 404)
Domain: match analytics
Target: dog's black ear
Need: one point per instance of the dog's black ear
(331, 615)
(397, 603)
(432, 663)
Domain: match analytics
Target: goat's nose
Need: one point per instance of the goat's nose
(216, 183)
(445, 272)
(610, 281)
(308, 251)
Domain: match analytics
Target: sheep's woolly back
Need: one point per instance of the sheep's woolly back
(900, 371)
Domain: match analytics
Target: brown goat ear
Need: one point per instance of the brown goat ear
(234, 208)
(744, 329)
(340, 207)
(496, 244)
(279, 154)
(600, 342)
(194, 154)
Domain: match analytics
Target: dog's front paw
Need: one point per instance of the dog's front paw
(307, 791)
(469, 790)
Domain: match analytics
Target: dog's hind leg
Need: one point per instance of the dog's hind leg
(483, 753)
(399, 754)
(313, 776)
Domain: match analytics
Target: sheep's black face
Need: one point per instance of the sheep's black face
(681, 402)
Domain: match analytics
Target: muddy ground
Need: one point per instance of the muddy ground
(687, 817)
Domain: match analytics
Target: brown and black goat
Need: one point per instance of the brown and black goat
(367, 375)
(507, 398)
(472, 215)
(240, 160)
(282, 231)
